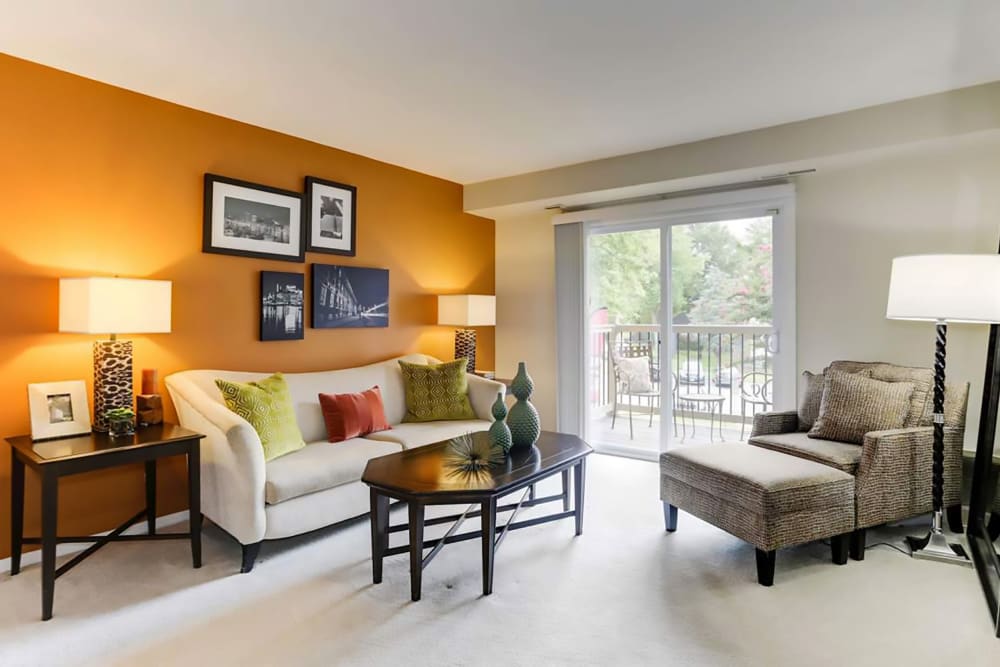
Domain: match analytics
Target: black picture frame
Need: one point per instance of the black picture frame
(282, 305)
(220, 236)
(343, 238)
(349, 297)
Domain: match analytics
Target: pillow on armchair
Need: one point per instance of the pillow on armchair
(854, 405)
(813, 396)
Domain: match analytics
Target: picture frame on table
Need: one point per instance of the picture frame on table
(349, 297)
(330, 217)
(58, 409)
(252, 220)
(282, 303)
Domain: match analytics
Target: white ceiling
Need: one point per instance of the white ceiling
(477, 89)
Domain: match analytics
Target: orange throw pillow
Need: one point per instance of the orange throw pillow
(353, 415)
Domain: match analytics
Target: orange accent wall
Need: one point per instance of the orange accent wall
(97, 180)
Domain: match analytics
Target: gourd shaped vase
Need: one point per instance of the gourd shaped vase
(523, 417)
(499, 431)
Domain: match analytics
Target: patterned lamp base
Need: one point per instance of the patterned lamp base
(465, 346)
(112, 379)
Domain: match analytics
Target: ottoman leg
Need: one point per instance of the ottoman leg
(669, 516)
(765, 567)
(838, 547)
(858, 544)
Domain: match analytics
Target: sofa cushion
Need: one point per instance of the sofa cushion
(840, 455)
(319, 466)
(267, 405)
(353, 415)
(436, 392)
(854, 405)
(411, 435)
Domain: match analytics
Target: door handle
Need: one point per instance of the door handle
(772, 342)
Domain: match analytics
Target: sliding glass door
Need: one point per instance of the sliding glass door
(685, 323)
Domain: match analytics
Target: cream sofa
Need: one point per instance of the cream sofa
(318, 485)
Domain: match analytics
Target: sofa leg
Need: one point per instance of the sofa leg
(954, 515)
(765, 567)
(839, 548)
(857, 547)
(250, 552)
(669, 517)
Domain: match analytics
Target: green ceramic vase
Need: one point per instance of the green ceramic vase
(523, 417)
(499, 431)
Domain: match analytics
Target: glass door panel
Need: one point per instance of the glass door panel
(722, 333)
(623, 373)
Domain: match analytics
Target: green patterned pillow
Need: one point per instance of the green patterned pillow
(267, 405)
(436, 392)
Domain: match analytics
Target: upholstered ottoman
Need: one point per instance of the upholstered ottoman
(769, 499)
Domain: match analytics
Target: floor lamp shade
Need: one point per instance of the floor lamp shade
(465, 311)
(949, 288)
(113, 306)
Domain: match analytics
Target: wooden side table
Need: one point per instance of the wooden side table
(53, 459)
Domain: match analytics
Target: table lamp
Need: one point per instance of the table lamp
(464, 311)
(113, 306)
(943, 289)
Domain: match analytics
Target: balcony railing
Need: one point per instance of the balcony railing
(731, 361)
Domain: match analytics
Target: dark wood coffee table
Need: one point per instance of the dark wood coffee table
(421, 477)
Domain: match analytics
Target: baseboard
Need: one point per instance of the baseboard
(34, 557)
(628, 452)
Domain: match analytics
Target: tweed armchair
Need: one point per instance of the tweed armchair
(892, 469)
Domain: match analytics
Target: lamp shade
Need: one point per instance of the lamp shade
(467, 310)
(950, 288)
(114, 305)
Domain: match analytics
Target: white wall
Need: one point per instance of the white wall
(852, 219)
(526, 305)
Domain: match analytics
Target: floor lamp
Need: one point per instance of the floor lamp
(943, 289)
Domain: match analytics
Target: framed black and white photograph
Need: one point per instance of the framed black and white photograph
(252, 220)
(330, 217)
(281, 305)
(349, 297)
(58, 409)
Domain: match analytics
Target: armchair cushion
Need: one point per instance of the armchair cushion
(919, 413)
(840, 455)
(812, 399)
(853, 405)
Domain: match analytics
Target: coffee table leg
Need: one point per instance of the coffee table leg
(16, 511)
(380, 532)
(416, 548)
(50, 507)
(565, 487)
(489, 515)
(579, 475)
(194, 501)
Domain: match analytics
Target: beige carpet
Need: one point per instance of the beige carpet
(625, 593)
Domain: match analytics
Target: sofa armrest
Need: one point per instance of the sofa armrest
(773, 423)
(232, 461)
(482, 395)
(893, 481)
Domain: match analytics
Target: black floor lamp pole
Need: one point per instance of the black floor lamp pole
(935, 545)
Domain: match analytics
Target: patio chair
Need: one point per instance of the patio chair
(633, 379)
(755, 389)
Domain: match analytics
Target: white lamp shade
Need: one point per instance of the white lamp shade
(467, 310)
(950, 288)
(114, 305)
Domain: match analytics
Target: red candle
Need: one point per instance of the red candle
(149, 380)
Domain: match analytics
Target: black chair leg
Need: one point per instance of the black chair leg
(250, 552)
(669, 517)
(765, 567)
(839, 548)
(954, 516)
(857, 546)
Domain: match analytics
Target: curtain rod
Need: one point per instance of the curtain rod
(777, 179)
